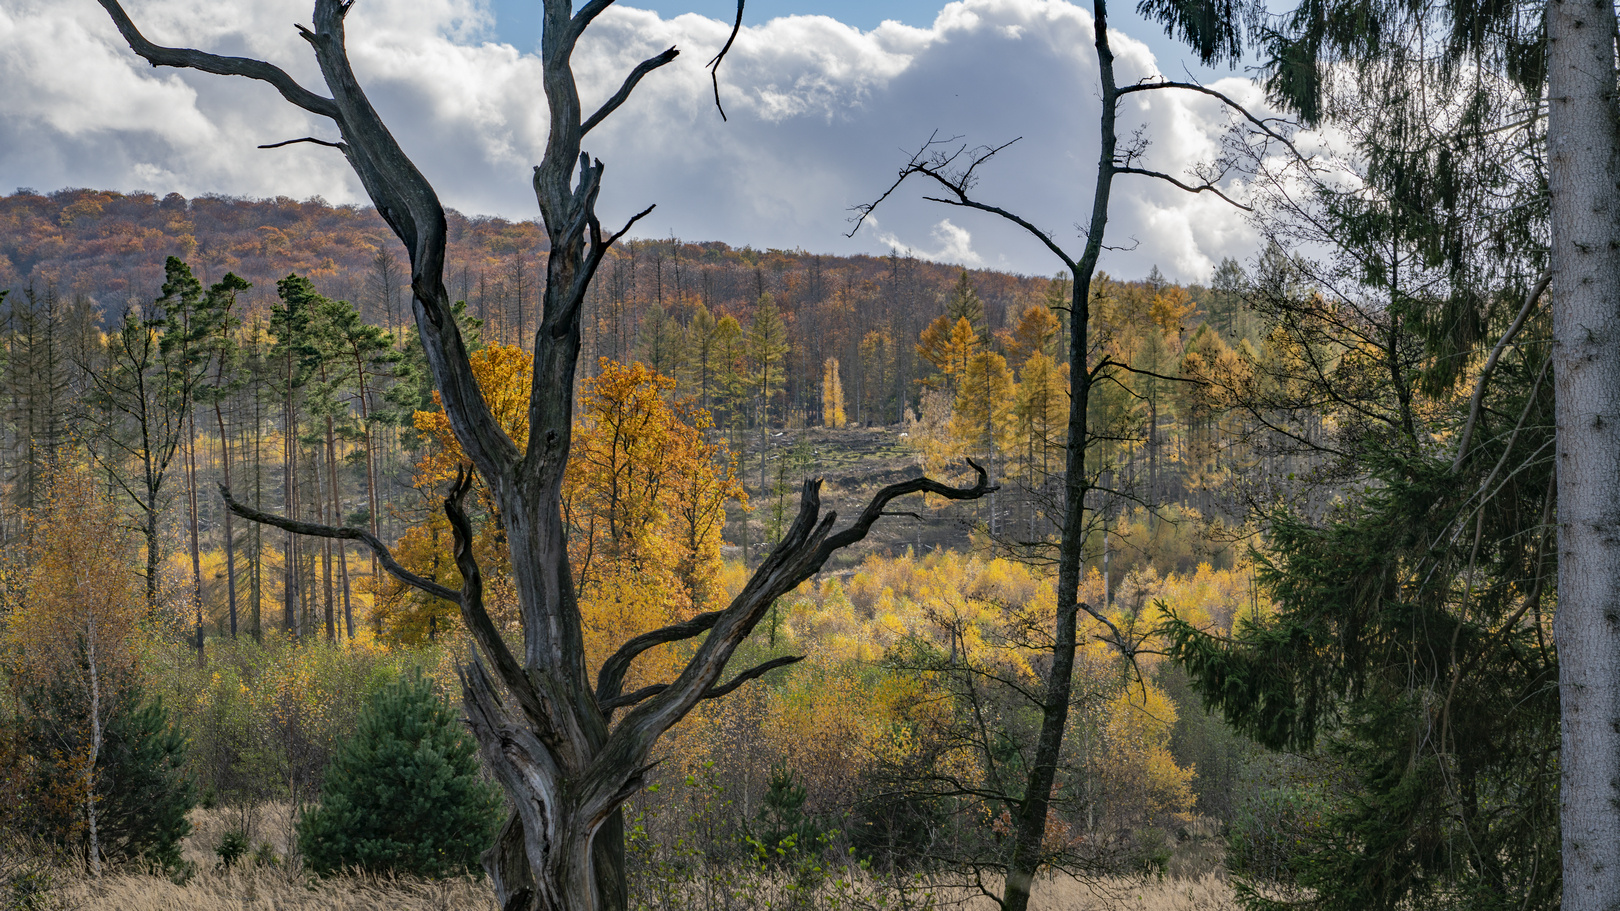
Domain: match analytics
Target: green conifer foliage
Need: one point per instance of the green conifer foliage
(142, 791)
(404, 793)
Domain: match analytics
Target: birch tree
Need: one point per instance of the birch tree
(75, 631)
(1583, 157)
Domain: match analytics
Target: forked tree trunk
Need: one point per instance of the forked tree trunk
(547, 730)
(1582, 164)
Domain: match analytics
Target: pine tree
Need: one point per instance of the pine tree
(141, 791)
(404, 793)
(964, 303)
(767, 348)
(143, 391)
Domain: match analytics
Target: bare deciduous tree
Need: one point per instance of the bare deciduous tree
(548, 732)
(952, 171)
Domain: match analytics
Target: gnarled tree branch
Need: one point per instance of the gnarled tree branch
(344, 533)
(186, 58)
(474, 614)
(753, 673)
(623, 94)
(610, 680)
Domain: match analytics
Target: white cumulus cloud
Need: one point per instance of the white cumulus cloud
(822, 115)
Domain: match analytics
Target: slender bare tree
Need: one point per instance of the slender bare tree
(952, 172)
(547, 730)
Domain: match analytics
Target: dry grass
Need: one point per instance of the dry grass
(269, 824)
(274, 889)
(277, 886)
(283, 887)
(1209, 892)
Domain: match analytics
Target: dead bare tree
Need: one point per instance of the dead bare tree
(953, 169)
(546, 730)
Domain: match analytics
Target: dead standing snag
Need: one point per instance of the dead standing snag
(540, 722)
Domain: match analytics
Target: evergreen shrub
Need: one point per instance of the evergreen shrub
(403, 794)
(142, 790)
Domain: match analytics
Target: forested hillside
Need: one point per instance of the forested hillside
(782, 580)
(782, 350)
(156, 350)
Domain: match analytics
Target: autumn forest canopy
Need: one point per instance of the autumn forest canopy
(589, 570)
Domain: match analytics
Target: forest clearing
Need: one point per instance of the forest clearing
(375, 555)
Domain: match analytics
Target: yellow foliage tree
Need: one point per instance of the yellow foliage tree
(983, 412)
(402, 613)
(949, 347)
(76, 626)
(1040, 416)
(832, 395)
(1035, 333)
(644, 498)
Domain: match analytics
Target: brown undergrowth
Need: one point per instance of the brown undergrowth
(276, 883)
(266, 888)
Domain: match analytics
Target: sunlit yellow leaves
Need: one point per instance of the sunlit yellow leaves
(504, 374)
(646, 490)
(1136, 766)
(644, 500)
(80, 588)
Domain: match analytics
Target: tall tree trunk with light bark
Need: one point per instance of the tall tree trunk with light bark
(1583, 165)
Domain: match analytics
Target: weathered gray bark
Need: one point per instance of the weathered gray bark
(1583, 159)
(546, 730)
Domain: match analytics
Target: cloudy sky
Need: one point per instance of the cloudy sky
(826, 101)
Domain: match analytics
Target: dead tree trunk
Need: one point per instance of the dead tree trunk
(547, 729)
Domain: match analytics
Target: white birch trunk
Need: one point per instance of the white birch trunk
(1583, 156)
(95, 749)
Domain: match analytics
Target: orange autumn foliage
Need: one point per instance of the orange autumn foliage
(74, 623)
(644, 500)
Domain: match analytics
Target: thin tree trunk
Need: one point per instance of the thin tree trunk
(1583, 148)
(191, 509)
(322, 515)
(257, 582)
(90, 814)
(1030, 824)
(371, 472)
(289, 595)
(337, 519)
(230, 537)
